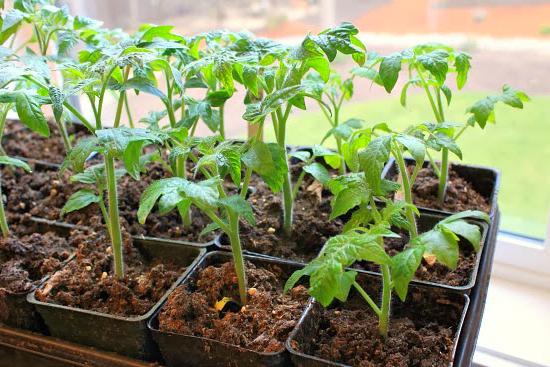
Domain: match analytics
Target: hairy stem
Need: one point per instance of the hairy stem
(63, 132)
(384, 318)
(444, 171)
(128, 112)
(237, 251)
(246, 183)
(222, 123)
(413, 232)
(3, 220)
(367, 298)
(114, 218)
(288, 201)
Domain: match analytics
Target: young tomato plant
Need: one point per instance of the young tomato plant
(284, 88)
(363, 239)
(8, 161)
(217, 159)
(429, 66)
(334, 92)
(114, 143)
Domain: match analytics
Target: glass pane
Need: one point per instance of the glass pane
(518, 55)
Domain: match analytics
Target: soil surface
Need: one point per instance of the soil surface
(460, 194)
(262, 325)
(311, 226)
(88, 281)
(43, 193)
(421, 333)
(28, 144)
(27, 258)
(436, 272)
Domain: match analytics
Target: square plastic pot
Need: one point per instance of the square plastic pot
(310, 321)
(188, 350)
(127, 336)
(20, 313)
(485, 180)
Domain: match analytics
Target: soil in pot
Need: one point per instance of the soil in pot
(28, 144)
(88, 282)
(431, 271)
(26, 257)
(43, 192)
(312, 226)
(421, 333)
(262, 325)
(460, 195)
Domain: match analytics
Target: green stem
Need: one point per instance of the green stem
(408, 193)
(63, 131)
(443, 175)
(128, 113)
(432, 163)
(121, 98)
(384, 318)
(3, 117)
(287, 186)
(246, 183)
(444, 170)
(461, 132)
(342, 168)
(104, 213)
(237, 253)
(3, 220)
(102, 97)
(222, 123)
(367, 298)
(114, 218)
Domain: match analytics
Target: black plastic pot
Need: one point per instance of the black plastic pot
(305, 331)
(124, 335)
(425, 222)
(188, 350)
(22, 314)
(485, 180)
(478, 298)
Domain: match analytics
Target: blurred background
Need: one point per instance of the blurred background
(510, 43)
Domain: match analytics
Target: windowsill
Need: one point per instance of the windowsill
(516, 328)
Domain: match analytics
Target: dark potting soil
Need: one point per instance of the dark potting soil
(88, 282)
(432, 271)
(311, 226)
(421, 333)
(43, 193)
(262, 325)
(26, 258)
(460, 194)
(28, 144)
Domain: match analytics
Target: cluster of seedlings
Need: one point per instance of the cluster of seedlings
(331, 213)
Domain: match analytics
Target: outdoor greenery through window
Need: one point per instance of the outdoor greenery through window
(515, 145)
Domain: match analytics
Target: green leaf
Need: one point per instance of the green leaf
(473, 214)
(389, 70)
(372, 160)
(318, 171)
(441, 243)
(9, 161)
(268, 161)
(462, 66)
(414, 145)
(28, 109)
(218, 98)
(57, 98)
(470, 232)
(240, 206)
(80, 199)
(302, 155)
(436, 63)
(203, 194)
(12, 18)
(483, 111)
(447, 92)
(254, 112)
(512, 97)
(403, 267)
(78, 155)
(229, 160)
(144, 85)
(351, 247)
(348, 199)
